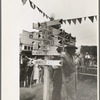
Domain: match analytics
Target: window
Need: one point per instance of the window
(31, 48)
(25, 47)
(28, 47)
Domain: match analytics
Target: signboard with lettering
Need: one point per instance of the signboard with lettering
(53, 51)
(54, 62)
(54, 22)
(39, 62)
(48, 62)
(44, 47)
(56, 31)
(38, 52)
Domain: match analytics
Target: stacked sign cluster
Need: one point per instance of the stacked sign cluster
(50, 36)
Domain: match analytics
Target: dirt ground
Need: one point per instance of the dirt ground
(86, 90)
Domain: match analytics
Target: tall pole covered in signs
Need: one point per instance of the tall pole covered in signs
(48, 28)
(43, 28)
(46, 88)
(54, 24)
(46, 91)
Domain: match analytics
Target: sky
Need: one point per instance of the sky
(17, 17)
(86, 33)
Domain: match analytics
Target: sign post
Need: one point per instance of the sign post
(48, 29)
(46, 88)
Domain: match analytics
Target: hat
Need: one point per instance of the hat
(59, 49)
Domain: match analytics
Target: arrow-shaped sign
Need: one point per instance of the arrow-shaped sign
(48, 28)
(56, 42)
(36, 25)
(48, 25)
(35, 45)
(52, 51)
(38, 52)
(55, 22)
(48, 62)
(56, 31)
(37, 39)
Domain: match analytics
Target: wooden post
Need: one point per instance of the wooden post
(46, 82)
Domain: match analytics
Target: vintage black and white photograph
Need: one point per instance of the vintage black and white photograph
(57, 49)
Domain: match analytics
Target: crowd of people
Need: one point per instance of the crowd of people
(30, 73)
(85, 60)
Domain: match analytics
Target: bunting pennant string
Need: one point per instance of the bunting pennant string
(74, 21)
(34, 6)
(24, 2)
(43, 14)
(84, 18)
(69, 21)
(96, 17)
(64, 21)
(91, 18)
(38, 9)
(79, 20)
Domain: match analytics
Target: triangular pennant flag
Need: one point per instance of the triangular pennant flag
(43, 14)
(46, 16)
(74, 21)
(32, 5)
(64, 21)
(84, 18)
(24, 1)
(61, 21)
(96, 17)
(38, 9)
(49, 17)
(91, 18)
(79, 20)
(69, 21)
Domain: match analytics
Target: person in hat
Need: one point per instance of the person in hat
(68, 67)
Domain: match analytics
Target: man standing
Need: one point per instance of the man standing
(87, 58)
(24, 69)
(57, 81)
(67, 69)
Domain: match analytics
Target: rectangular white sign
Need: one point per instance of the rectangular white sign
(38, 52)
(48, 62)
(54, 22)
